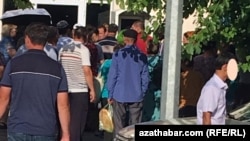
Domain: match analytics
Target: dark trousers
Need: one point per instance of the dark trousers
(107, 136)
(92, 124)
(79, 103)
(187, 111)
(242, 95)
(120, 111)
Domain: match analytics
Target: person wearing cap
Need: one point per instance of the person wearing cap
(64, 34)
(211, 106)
(127, 82)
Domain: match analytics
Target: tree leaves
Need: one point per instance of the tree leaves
(225, 21)
(22, 4)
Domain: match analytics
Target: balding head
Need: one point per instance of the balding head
(138, 26)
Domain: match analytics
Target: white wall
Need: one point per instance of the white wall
(189, 24)
(115, 10)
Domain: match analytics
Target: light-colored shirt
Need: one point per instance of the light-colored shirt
(73, 57)
(50, 51)
(213, 99)
(62, 41)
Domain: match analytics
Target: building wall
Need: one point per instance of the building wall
(188, 24)
(115, 11)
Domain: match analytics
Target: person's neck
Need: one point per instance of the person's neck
(221, 75)
(79, 40)
(129, 44)
(36, 47)
(111, 34)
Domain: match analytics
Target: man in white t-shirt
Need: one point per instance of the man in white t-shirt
(75, 58)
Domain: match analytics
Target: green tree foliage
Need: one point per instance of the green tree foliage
(226, 21)
(21, 4)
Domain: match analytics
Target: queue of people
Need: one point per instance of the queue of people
(47, 85)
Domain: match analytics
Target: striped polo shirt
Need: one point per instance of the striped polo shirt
(107, 44)
(73, 57)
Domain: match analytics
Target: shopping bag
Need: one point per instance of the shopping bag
(98, 86)
(105, 118)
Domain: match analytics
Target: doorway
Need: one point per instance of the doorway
(97, 14)
(58, 13)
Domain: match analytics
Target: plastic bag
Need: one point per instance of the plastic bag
(98, 86)
(105, 118)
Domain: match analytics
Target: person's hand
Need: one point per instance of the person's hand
(110, 100)
(92, 96)
(65, 138)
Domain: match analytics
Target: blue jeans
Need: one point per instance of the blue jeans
(26, 137)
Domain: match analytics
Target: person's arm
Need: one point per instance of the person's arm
(64, 114)
(112, 77)
(206, 118)
(209, 103)
(89, 79)
(145, 76)
(100, 54)
(1, 71)
(4, 99)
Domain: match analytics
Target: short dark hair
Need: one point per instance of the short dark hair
(90, 31)
(53, 32)
(211, 45)
(102, 26)
(139, 23)
(223, 59)
(81, 32)
(37, 32)
(113, 28)
(153, 48)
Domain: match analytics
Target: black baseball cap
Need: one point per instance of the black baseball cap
(62, 24)
(130, 33)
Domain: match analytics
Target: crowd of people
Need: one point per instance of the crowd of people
(47, 84)
(47, 80)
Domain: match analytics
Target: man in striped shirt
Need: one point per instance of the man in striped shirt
(108, 43)
(75, 58)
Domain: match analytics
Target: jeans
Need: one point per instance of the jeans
(26, 137)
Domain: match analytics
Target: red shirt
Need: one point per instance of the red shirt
(141, 43)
